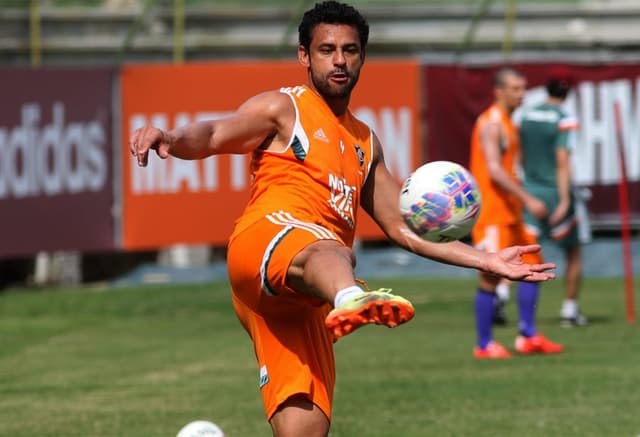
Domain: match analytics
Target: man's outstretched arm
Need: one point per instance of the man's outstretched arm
(258, 119)
(380, 200)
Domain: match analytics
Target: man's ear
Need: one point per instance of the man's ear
(303, 56)
(363, 55)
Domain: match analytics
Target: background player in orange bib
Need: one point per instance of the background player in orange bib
(495, 159)
(289, 259)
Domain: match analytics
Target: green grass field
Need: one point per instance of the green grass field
(145, 361)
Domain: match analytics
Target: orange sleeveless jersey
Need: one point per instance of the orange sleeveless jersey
(319, 176)
(498, 206)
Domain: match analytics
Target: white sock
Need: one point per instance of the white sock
(346, 294)
(569, 309)
(502, 291)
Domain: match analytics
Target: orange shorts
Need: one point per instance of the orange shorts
(292, 345)
(492, 238)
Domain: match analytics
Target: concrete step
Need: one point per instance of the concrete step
(77, 35)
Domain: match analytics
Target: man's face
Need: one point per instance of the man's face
(334, 59)
(512, 91)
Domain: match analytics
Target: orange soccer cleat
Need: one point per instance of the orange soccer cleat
(378, 306)
(538, 344)
(493, 351)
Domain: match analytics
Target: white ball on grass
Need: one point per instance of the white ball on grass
(201, 428)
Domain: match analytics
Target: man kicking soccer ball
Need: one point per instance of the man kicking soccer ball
(290, 258)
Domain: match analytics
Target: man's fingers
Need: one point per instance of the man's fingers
(136, 148)
(532, 248)
(535, 276)
(145, 139)
(143, 144)
(539, 276)
(143, 159)
(133, 142)
(542, 267)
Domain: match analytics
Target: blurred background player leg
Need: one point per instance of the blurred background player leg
(581, 196)
(566, 235)
(570, 313)
(500, 302)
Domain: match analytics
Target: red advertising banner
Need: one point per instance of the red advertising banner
(176, 201)
(56, 185)
(454, 96)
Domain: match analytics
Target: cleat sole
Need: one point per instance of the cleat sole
(390, 314)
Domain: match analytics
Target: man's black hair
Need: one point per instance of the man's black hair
(332, 12)
(558, 87)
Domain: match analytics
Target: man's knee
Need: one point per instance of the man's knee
(322, 248)
(322, 268)
(299, 416)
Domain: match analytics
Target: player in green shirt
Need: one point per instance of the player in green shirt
(544, 136)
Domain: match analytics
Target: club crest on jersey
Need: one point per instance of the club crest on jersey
(360, 154)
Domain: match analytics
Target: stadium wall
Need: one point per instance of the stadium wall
(56, 154)
(455, 95)
(67, 181)
(206, 197)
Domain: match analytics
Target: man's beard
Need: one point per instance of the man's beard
(324, 87)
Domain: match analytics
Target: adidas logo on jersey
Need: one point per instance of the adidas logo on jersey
(319, 134)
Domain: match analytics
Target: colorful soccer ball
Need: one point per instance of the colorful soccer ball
(440, 201)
